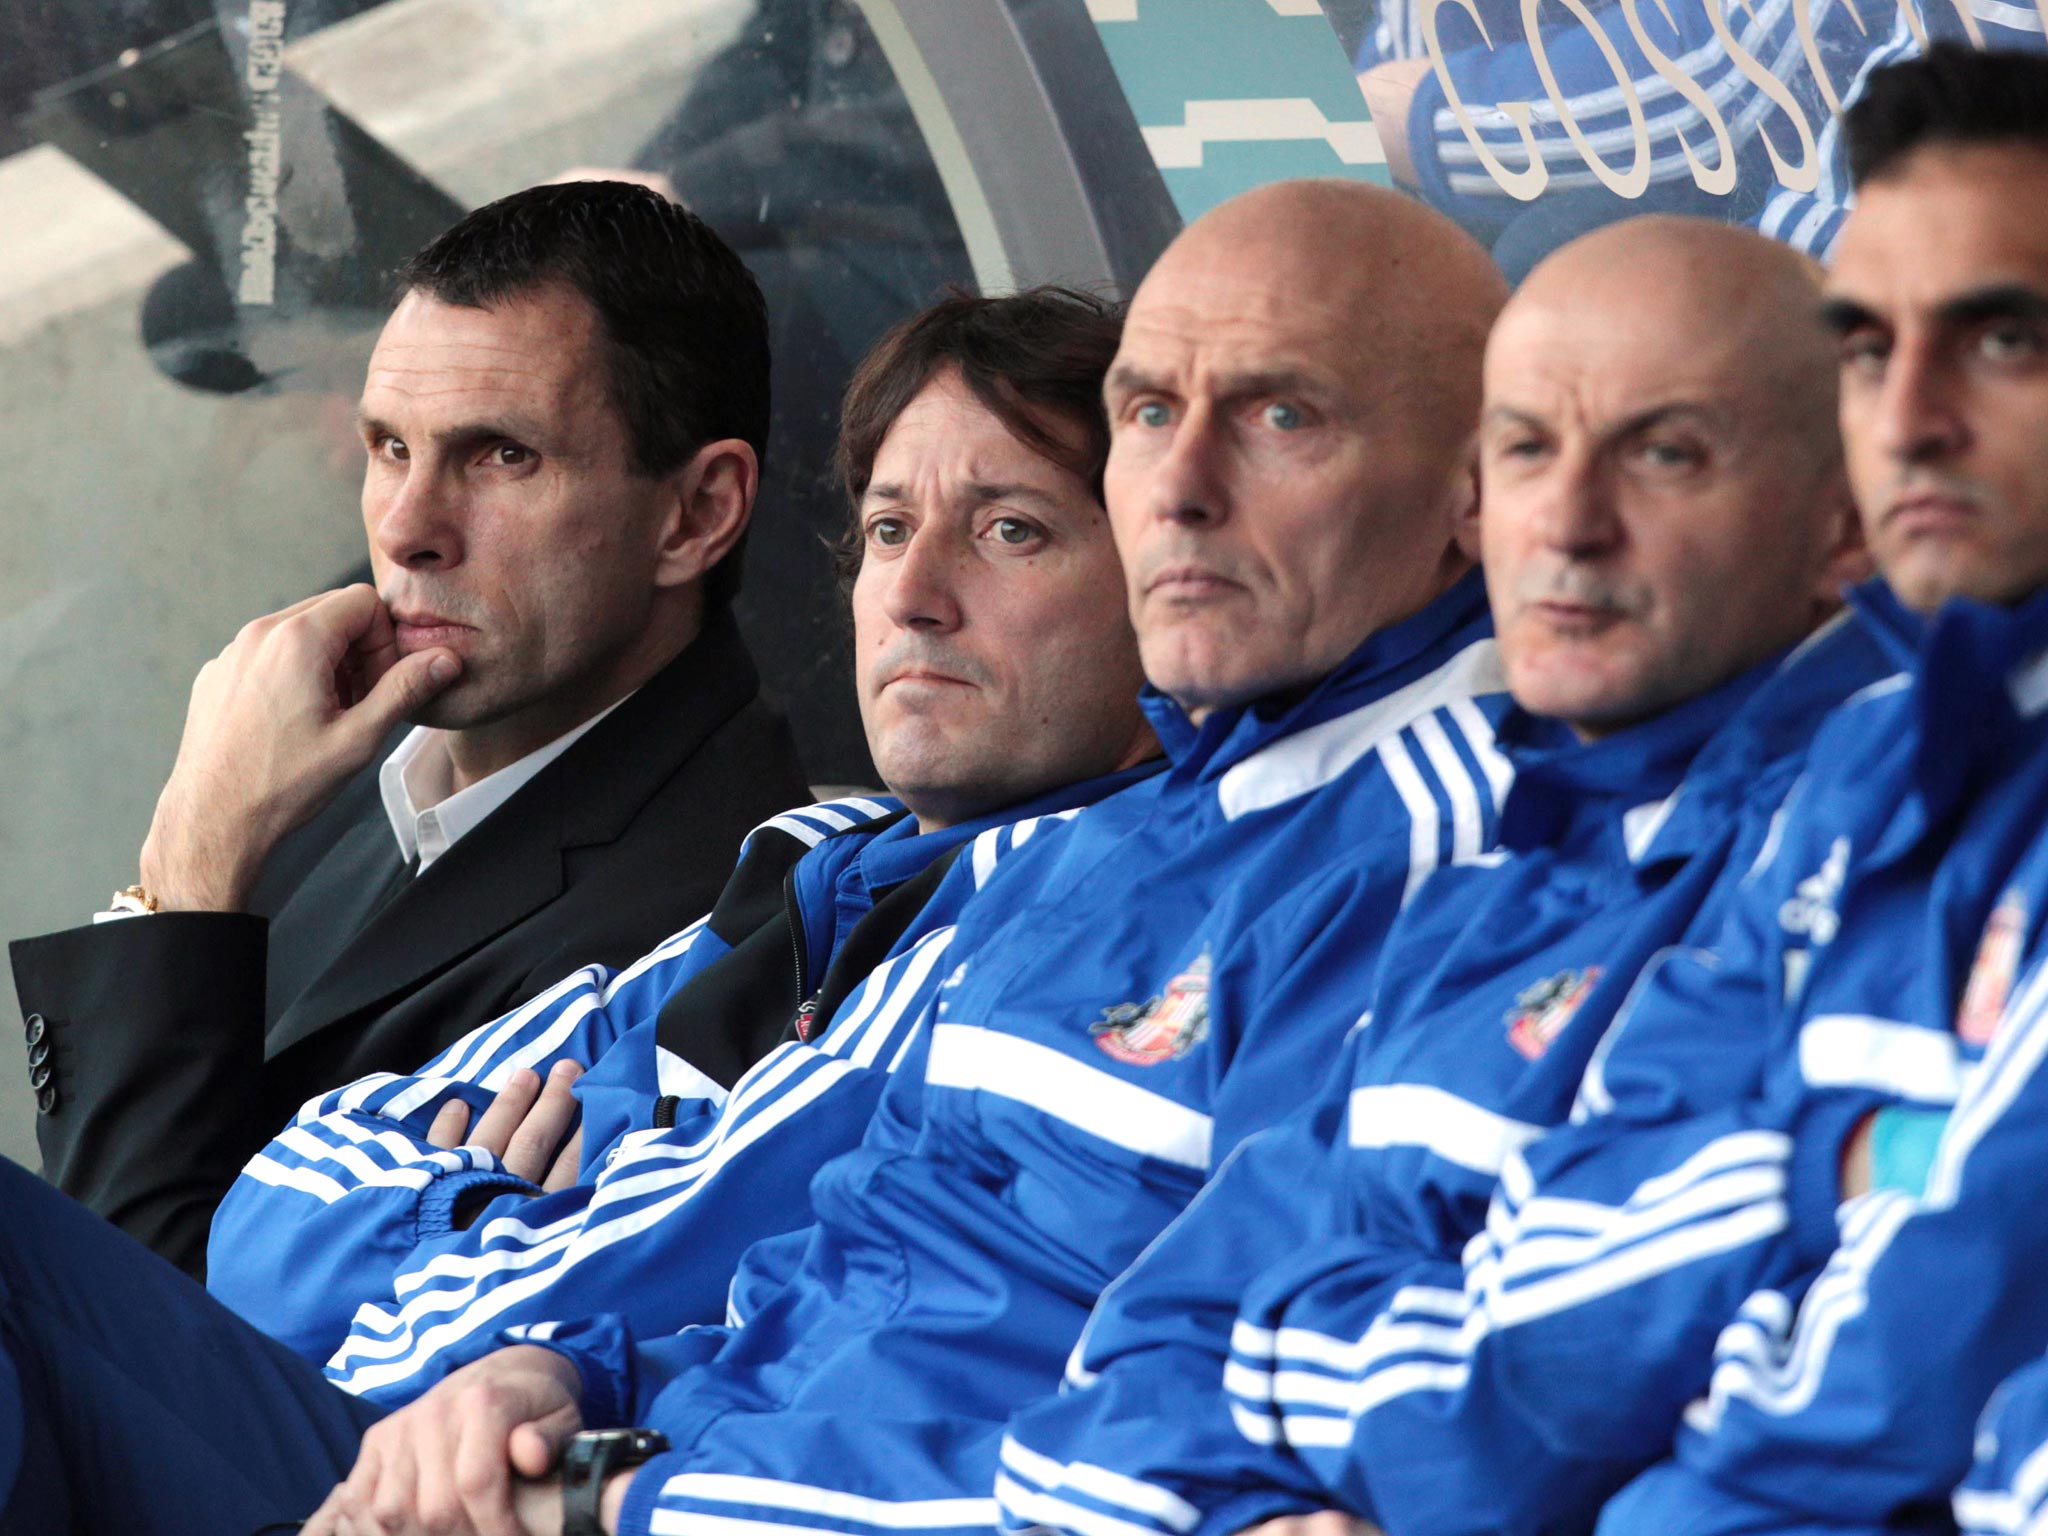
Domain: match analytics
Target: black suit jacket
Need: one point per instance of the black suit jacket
(166, 1050)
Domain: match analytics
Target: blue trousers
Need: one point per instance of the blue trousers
(132, 1401)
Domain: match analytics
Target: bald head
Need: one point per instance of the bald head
(1409, 295)
(1291, 417)
(1663, 504)
(1683, 295)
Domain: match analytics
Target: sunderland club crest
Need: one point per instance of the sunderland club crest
(1998, 960)
(1542, 1011)
(1164, 1029)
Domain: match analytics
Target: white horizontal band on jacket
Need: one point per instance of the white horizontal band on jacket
(772, 1493)
(1157, 1504)
(1843, 1050)
(1421, 1115)
(968, 1057)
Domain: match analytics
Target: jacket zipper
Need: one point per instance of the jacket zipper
(807, 1005)
(668, 1105)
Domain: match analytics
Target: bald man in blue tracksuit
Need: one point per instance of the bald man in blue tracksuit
(1674, 1282)
(1303, 1338)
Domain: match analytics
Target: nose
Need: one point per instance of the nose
(1573, 509)
(1918, 419)
(924, 582)
(1186, 478)
(414, 517)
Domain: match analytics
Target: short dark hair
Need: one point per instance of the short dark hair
(1952, 94)
(1026, 356)
(684, 325)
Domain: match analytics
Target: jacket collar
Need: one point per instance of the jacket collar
(1388, 659)
(1670, 784)
(511, 866)
(1982, 648)
(1977, 676)
(900, 850)
(894, 851)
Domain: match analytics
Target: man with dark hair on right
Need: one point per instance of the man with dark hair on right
(563, 424)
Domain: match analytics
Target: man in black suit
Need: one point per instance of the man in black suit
(564, 420)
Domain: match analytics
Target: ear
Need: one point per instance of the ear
(1464, 504)
(1846, 558)
(711, 498)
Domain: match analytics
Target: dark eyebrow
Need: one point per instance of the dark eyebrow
(985, 492)
(2002, 301)
(462, 436)
(1844, 317)
(980, 492)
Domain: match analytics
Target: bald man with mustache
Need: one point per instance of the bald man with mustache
(1664, 523)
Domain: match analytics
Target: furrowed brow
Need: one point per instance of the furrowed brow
(984, 492)
(1287, 383)
(1669, 411)
(1125, 379)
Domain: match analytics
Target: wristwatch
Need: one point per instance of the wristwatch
(587, 1465)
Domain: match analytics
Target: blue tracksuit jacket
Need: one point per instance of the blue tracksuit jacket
(1846, 1349)
(1272, 1353)
(2007, 1489)
(1144, 986)
(342, 1238)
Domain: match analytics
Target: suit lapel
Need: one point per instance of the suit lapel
(360, 872)
(510, 865)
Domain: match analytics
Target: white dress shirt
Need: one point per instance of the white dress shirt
(429, 816)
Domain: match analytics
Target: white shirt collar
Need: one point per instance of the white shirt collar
(427, 817)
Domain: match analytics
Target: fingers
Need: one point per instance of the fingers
(326, 1519)
(294, 609)
(403, 690)
(534, 1446)
(334, 619)
(568, 1163)
(482, 1474)
(449, 1124)
(494, 1131)
(532, 1147)
(373, 653)
(447, 1462)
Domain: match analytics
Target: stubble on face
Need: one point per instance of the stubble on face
(1939, 288)
(988, 671)
(504, 517)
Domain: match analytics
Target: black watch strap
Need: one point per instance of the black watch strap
(588, 1464)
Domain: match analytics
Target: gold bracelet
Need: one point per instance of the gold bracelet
(133, 899)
